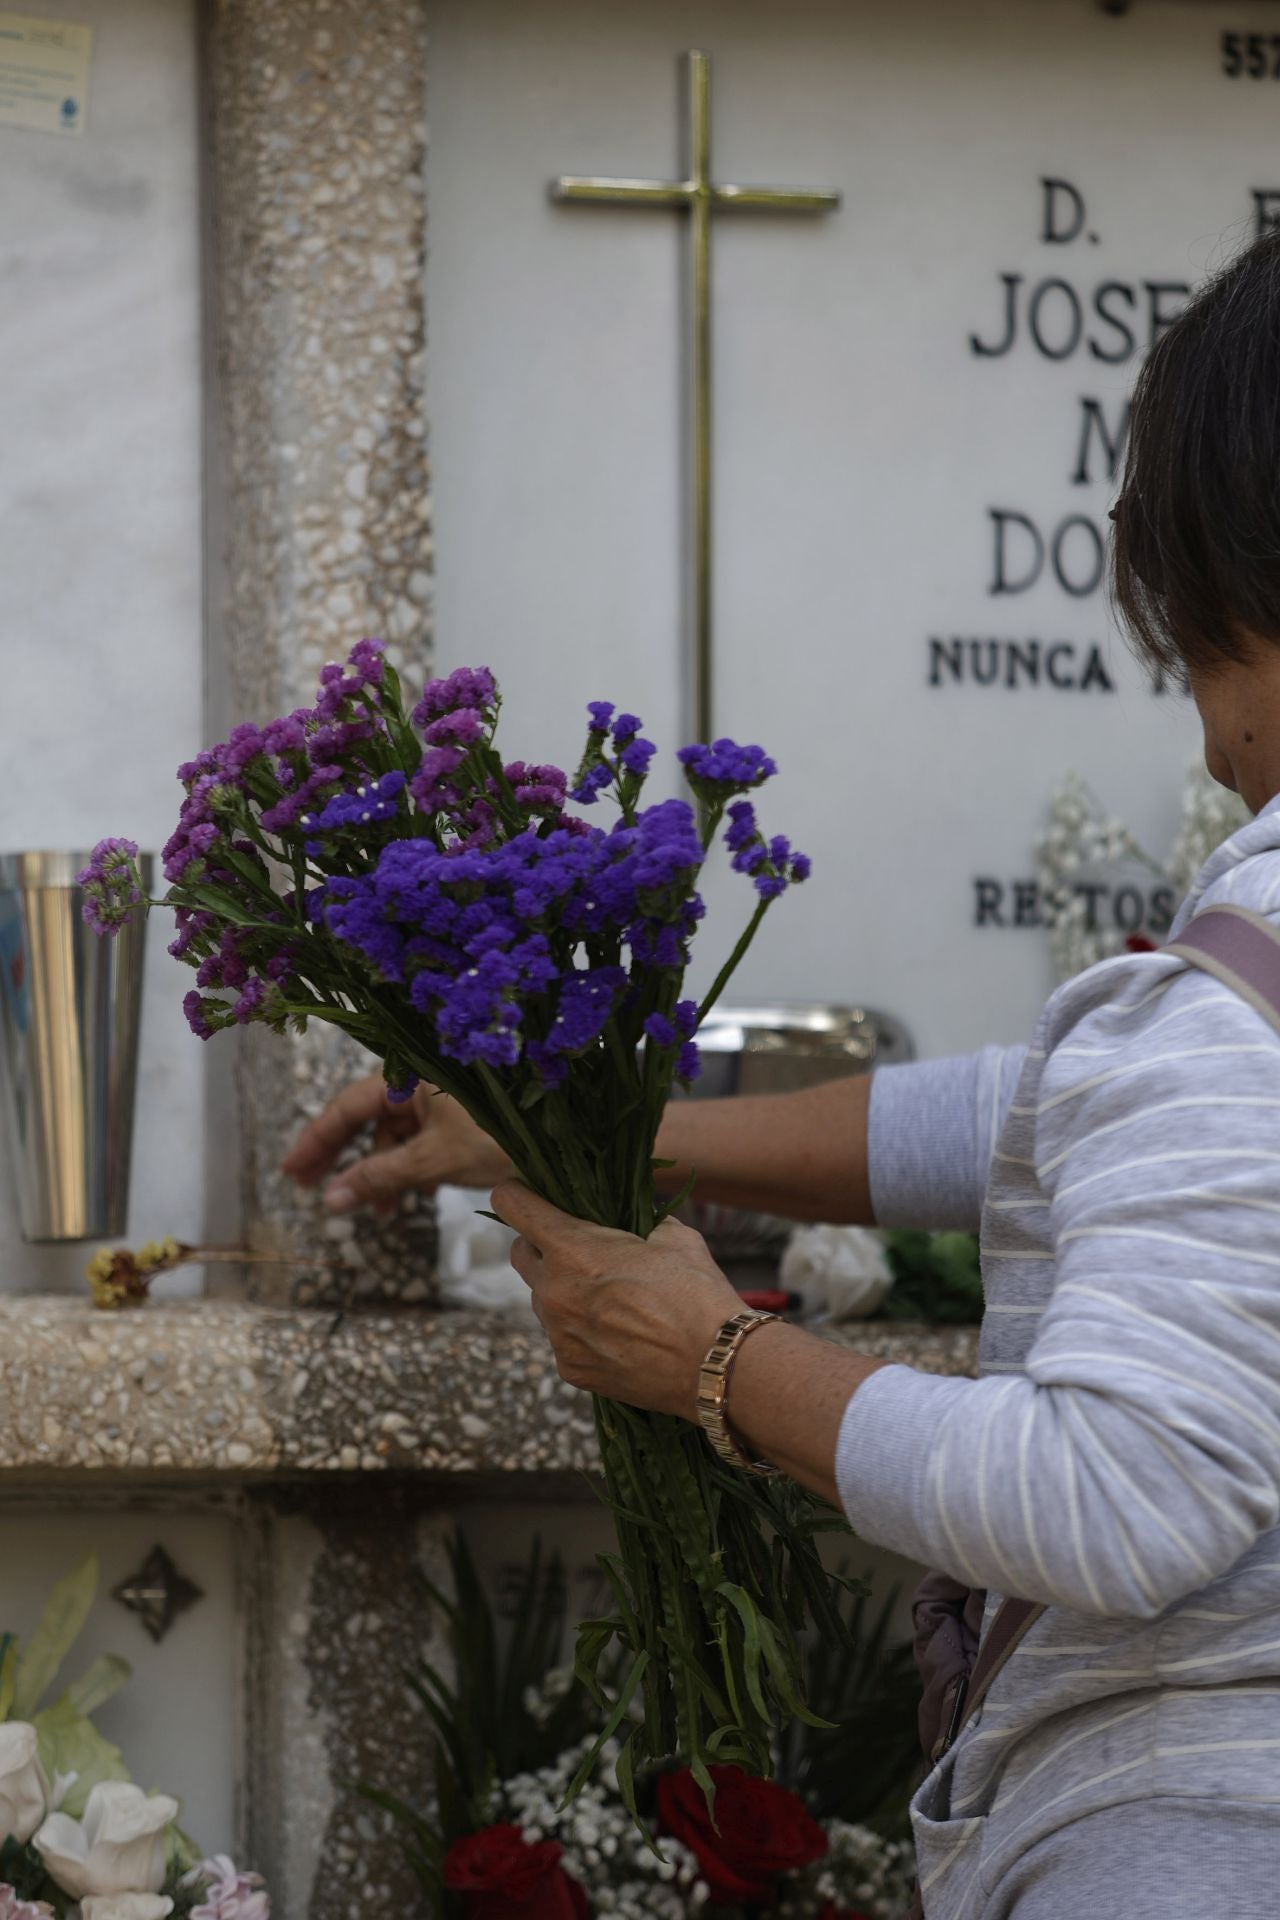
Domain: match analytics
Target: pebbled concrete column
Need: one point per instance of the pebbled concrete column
(319, 509)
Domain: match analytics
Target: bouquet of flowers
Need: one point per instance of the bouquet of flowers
(385, 869)
(764, 1851)
(499, 1837)
(78, 1840)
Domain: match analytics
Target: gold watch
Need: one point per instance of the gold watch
(713, 1391)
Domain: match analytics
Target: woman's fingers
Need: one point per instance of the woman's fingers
(536, 1220)
(315, 1151)
(526, 1260)
(380, 1179)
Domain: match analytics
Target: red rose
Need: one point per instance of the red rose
(503, 1876)
(764, 1831)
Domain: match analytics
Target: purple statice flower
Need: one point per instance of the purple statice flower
(626, 727)
(204, 765)
(601, 713)
(462, 728)
(335, 739)
(227, 1893)
(636, 756)
(537, 789)
(337, 687)
(689, 1063)
(772, 864)
(225, 966)
(686, 1018)
(194, 928)
(585, 1001)
(471, 688)
(197, 1007)
(742, 828)
(295, 808)
(591, 783)
(250, 1001)
(366, 805)
(244, 744)
(187, 847)
(661, 1030)
(110, 883)
(353, 911)
(723, 768)
(404, 1090)
(289, 734)
(432, 785)
(366, 660)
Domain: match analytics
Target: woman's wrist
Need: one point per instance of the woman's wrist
(787, 1399)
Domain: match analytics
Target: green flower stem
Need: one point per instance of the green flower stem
(730, 966)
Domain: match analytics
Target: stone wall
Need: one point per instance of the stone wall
(320, 506)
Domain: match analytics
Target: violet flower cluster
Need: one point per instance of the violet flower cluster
(474, 923)
(508, 931)
(111, 885)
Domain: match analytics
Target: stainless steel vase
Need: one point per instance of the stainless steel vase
(70, 1007)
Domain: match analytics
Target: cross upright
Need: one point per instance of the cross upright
(700, 197)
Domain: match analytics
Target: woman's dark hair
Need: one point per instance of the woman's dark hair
(1195, 561)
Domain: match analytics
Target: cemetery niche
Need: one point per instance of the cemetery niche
(322, 380)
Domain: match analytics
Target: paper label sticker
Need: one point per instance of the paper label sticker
(44, 74)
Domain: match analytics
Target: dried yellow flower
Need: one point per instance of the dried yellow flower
(120, 1278)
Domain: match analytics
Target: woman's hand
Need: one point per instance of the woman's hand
(632, 1319)
(628, 1318)
(418, 1145)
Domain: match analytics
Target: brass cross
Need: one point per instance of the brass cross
(700, 197)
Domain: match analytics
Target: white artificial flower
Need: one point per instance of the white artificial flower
(840, 1273)
(24, 1786)
(119, 1846)
(126, 1906)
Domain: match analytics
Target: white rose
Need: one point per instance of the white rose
(24, 1789)
(120, 1845)
(126, 1906)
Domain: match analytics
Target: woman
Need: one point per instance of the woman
(1119, 1458)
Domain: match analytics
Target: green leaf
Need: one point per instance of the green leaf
(8, 1668)
(103, 1679)
(610, 1727)
(71, 1744)
(60, 1624)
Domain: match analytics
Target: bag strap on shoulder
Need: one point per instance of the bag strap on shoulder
(1014, 1620)
(1239, 948)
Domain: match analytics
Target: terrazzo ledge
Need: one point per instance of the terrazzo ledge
(222, 1389)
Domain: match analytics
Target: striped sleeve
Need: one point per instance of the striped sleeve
(932, 1129)
(1138, 1455)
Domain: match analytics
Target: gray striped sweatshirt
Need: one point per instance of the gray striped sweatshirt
(1119, 1457)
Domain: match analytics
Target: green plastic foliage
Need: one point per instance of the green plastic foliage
(65, 1613)
(69, 1741)
(71, 1744)
(8, 1672)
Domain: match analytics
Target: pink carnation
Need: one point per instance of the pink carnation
(11, 1908)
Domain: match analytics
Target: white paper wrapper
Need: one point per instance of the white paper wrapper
(840, 1273)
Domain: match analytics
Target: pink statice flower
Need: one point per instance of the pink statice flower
(228, 1893)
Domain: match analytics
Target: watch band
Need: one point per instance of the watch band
(713, 1391)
